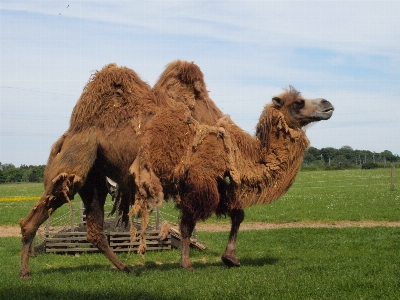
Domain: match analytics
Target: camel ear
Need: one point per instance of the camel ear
(277, 101)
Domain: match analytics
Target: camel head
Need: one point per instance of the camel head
(299, 111)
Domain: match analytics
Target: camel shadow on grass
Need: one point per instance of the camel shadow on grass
(138, 268)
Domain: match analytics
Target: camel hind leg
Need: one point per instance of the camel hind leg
(93, 195)
(70, 160)
(62, 189)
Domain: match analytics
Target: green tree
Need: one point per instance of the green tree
(389, 156)
(12, 174)
(33, 175)
(2, 177)
(328, 154)
(347, 152)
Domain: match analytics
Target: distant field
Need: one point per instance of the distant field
(328, 196)
(20, 190)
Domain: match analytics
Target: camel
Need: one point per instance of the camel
(117, 121)
(221, 169)
(103, 141)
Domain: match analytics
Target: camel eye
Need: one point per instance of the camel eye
(299, 104)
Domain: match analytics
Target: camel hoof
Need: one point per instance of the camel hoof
(25, 276)
(187, 267)
(126, 270)
(230, 261)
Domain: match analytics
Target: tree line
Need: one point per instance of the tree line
(324, 158)
(346, 157)
(24, 173)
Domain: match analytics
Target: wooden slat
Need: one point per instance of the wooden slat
(121, 238)
(72, 250)
(69, 244)
(127, 241)
(72, 238)
(69, 233)
(135, 249)
(119, 241)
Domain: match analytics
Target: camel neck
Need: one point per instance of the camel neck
(282, 156)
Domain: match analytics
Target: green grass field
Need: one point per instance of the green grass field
(327, 196)
(298, 263)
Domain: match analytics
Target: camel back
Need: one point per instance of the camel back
(112, 96)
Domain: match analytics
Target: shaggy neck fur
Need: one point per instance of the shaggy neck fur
(280, 154)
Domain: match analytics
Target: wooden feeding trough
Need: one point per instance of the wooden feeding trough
(71, 238)
(62, 238)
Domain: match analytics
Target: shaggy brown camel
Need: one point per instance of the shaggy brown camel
(103, 140)
(222, 169)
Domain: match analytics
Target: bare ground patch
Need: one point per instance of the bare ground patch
(6, 231)
(15, 231)
(262, 225)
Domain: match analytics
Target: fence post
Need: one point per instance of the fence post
(157, 218)
(392, 178)
(81, 214)
(71, 209)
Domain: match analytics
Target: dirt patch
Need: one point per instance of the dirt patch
(262, 225)
(15, 231)
(6, 231)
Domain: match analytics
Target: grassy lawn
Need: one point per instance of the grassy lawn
(348, 263)
(299, 263)
(329, 196)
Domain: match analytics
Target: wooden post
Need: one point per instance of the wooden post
(157, 218)
(82, 216)
(47, 227)
(46, 236)
(392, 178)
(71, 209)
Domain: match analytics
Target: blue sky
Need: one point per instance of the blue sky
(345, 51)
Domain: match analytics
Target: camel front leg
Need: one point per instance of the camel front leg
(187, 225)
(93, 195)
(229, 256)
(40, 212)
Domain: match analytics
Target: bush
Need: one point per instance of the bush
(369, 165)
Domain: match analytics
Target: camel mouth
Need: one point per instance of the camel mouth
(329, 110)
(324, 114)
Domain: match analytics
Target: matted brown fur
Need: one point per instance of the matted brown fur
(226, 168)
(184, 82)
(107, 116)
(112, 96)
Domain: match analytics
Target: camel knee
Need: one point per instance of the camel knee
(97, 239)
(237, 215)
(28, 234)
